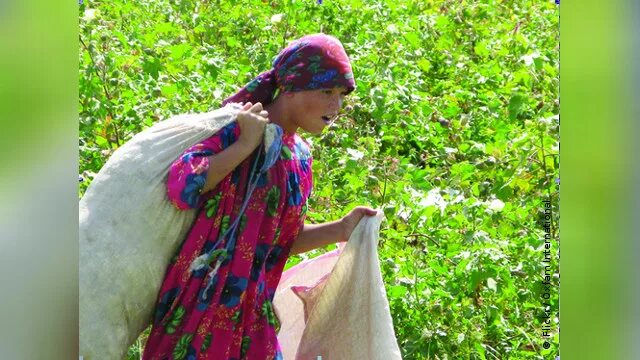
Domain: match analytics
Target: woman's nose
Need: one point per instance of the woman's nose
(336, 104)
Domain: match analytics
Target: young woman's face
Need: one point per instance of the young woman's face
(313, 110)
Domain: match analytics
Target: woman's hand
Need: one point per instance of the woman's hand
(351, 220)
(252, 120)
(315, 236)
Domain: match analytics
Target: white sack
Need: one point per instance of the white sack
(346, 306)
(129, 230)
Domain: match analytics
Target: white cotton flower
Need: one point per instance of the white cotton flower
(495, 205)
(355, 154)
(90, 14)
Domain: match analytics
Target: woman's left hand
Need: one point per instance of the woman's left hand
(351, 220)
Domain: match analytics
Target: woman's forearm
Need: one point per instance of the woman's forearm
(314, 236)
(221, 164)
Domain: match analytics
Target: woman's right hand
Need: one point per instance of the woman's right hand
(252, 120)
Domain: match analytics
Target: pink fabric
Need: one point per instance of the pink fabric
(293, 271)
(287, 301)
(236, 319)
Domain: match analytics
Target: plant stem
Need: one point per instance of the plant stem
(106, 91)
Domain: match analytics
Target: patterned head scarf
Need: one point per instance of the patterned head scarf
(312, 62)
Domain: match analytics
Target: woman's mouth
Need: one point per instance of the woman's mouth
(328, 119)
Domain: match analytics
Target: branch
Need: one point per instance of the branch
(106, 91)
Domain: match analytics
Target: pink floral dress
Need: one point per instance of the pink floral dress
(230, 315)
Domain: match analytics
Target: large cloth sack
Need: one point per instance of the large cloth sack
(335, 306)
(289, 307)
(129, 230)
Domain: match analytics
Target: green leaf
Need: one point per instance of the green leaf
(412, 38)
(516, 106)
(152, 67)
(481, 49)
(179, 51)
(480, 350)
(476, 278)
(169, 90)
(396, 291)
(100, 141)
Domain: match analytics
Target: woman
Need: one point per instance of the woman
(221, 307)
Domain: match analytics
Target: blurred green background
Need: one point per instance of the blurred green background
(427, 237)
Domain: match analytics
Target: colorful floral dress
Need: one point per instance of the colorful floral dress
(233, 318)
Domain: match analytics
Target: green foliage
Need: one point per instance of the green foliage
(452, 131)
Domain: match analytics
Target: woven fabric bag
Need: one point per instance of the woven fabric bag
(129, 230)
(335, 306)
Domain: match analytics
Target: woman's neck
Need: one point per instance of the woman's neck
(279, 115)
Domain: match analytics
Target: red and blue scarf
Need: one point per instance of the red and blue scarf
(312, 62)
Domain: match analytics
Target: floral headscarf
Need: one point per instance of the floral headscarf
(315, 61)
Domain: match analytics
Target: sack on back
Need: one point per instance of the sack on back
(129, 230)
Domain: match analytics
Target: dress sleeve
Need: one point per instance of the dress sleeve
(188, 174)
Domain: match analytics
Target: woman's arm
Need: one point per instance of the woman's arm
(221, 164)
(252, 121)
(314, 236)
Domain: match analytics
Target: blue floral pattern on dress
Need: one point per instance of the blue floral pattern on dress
(256, 255)
(191, 353)
(191, 192)
(187, 157)
(232, 291)
(278, 356)
(304, 165)
(293, 187)
(263, 180)
(165, 303)
(301, 150)
(205, 294)
(201, 273)
(228, 135)
(258, 261)
(273, 257)
(235, 176)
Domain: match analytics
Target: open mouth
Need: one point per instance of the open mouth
(328, 119)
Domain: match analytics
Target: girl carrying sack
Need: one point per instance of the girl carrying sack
(129, 231)
(244, 187)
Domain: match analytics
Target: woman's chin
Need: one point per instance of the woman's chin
(316, 129)
(316, 132)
